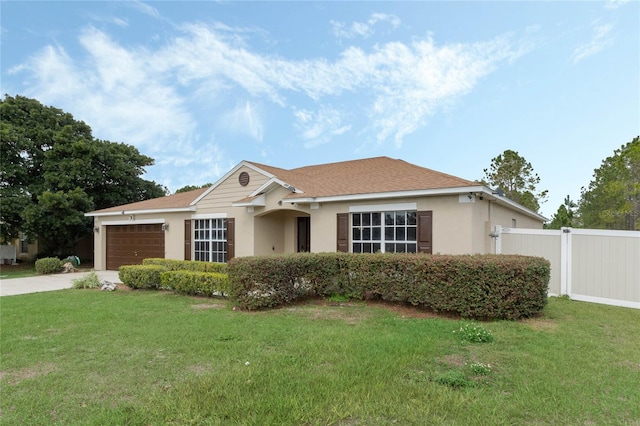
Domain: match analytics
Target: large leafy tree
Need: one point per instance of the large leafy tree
(612, 199)
(52, 171)
(514, 175)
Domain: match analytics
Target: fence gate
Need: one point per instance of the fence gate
(591, 265)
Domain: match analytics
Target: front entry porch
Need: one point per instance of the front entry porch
(282, 231)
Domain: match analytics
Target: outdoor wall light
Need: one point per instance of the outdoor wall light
(96, 229)
(165, 226)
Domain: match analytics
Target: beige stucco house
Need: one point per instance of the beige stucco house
(369, 205)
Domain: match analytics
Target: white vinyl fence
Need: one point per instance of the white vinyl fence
(591, 265)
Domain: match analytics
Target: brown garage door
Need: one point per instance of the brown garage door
(130, 244)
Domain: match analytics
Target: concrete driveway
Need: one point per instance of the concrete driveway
(38, 283)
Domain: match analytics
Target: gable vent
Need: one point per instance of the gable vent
(243, 178)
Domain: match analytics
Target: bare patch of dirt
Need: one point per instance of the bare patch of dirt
(630, 365)
(409, 311)
(208, 306)
(350, 316)
(542, 324)
(15, 377)
(334, 309)
(199, 369)
(453, 360)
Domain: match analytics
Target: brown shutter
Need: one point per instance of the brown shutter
(187, 239)
(343, 232)
(231, 238)
(425, 232)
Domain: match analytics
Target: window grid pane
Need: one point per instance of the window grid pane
(210, 240)
(396, 235)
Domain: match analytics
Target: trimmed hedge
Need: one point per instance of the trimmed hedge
(195, 283)
(48, 265)
(473, 286)
(188, 277)
(187, 265)
(141, 276)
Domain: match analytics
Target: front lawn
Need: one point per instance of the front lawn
(141, 357)
(20, 270)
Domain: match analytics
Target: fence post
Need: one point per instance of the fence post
(565, 261)
(498, 241)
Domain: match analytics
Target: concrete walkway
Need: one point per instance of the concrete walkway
(38, 283)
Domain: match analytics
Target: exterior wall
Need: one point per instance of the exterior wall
(29, 256)
(230, 190)
(270, 231)
(503, 216)
(452, 223)
(487, 215)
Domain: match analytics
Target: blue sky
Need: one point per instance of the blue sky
(201, 86)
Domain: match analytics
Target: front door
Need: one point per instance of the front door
(304, 234)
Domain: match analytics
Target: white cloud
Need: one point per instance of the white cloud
(317, 128)
(245, 119)
(615, 4)
(122, 23)
(363, 29)
(136, 94)
(145, 8)
(599, 41)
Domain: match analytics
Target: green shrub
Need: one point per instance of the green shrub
(262, 282)
(187, 265)
(90, 280)
(473, 286)
(48, 265)
(195, 283)
(141, 276)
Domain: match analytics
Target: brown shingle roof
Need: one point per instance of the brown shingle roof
(367, 176)
(183, 199)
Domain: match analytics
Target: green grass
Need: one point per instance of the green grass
(17, 271)
(85, 357)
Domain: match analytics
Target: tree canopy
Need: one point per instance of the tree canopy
(564, 216)
(612, 199)
(52, 171)
(515, 177)
(188, 188)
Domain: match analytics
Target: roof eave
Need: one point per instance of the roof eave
(476, 189)
(142, 211)
(259, 201)
(391, 194)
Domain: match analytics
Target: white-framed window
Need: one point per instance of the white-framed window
(386, 232)
(24, 243)
(210, 240)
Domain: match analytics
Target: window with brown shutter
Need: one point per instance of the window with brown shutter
(231, 241)
(343, 232)
(425, 232)
(187, 239)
